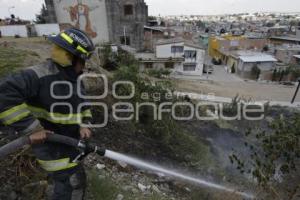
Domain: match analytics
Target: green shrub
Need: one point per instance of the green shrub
(12, 59)
(166, 132)
(158, 73)
(274, 153)
(103, 189)
(255, 72)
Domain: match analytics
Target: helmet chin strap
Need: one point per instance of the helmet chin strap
(78, 64)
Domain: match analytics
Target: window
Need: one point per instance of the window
(190, 54)
(125, 40)
(177, 49)
(128, 10)
(169, 65)
(148, 65)
(189, 67)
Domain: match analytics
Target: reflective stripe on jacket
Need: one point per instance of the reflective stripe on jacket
(26, 100)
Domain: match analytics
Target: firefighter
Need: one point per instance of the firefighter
(44, 99)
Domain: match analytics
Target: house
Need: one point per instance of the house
(177, 55)
(295, 60)
(219, 46)
(287, 39)
(153, 34)
(242, 62)
(285, 53)
(246, 63)
(279, 40)
(203, 39)
(30, 30)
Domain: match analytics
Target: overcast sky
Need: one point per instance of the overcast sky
(28, 8)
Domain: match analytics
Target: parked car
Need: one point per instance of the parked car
(208, 69)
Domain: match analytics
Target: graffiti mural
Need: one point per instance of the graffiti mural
(80, 15)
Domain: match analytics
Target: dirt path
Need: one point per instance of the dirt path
(37, 45)
(253, 90)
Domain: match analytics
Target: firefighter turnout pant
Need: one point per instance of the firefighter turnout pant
(68, 179)
(67, 184)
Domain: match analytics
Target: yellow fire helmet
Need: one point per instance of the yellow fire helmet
(61, 56)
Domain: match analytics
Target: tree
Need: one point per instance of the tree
(41, 18)
(233, 69)
(275, 157)
(222, 31)
(270, 24)
(292, 24)
(255, 71)
(274, 76)
(266, 48)
(283, 73)
(163, 24)
(152, 18)
(200, 24)
(295, 71)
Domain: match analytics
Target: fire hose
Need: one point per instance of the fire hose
(87, 148)
(53, 138)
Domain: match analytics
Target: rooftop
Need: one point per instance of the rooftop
(297, 56)
(288, 38)
(258, 58)
(289, 47)
(179, 40)
(159, 29)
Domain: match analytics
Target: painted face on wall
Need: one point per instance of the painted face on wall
(80, 16)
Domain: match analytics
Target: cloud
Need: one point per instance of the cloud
(27, 9)
(167, 7)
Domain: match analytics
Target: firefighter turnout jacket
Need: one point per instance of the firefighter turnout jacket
(46, 96)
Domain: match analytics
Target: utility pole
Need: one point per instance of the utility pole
(125, 39)
(297, 90)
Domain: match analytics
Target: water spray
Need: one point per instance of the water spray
(89, 148)
(155, 168)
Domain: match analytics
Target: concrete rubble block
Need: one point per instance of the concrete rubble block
(100, 166)
(142, 187)
(120, 197)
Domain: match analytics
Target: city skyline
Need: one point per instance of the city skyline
(27, 9)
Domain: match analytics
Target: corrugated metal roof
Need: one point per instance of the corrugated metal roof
(297, 56)
(258, 58)
(288, 38)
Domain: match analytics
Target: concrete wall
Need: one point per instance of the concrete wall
(47, 29)
(120, 24)
(103, 20)
(199, 61)
(244, 70)
(217, 45)
(232, 62)
(285, 55)
(13, 30)
(92, 17)
(264, 66)
(298, 32)
(160, 65)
